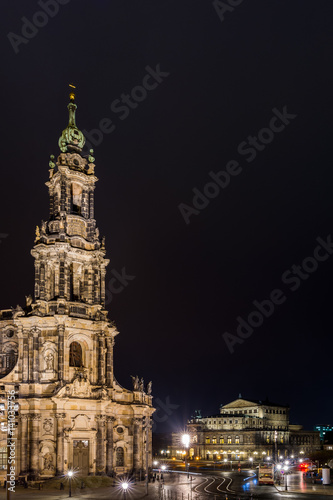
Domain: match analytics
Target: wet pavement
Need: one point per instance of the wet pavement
(179, 486)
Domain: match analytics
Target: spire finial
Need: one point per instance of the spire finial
(72, 91)
(71, 136)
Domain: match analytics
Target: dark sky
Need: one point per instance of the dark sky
(222, 80)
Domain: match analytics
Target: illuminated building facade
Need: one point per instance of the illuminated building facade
(57, 352)
(244, 429)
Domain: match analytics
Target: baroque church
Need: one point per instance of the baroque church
(57, 351)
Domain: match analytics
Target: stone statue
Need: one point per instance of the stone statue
(43, 228)
(37, 234)
(135, 381)
(28, 300)
(48, 461)
(18, 311)
(149, 388)
(49, 358)
(142, 385)
(48, 425)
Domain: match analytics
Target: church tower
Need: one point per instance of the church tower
(57, 352)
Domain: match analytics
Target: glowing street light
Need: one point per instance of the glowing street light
(286, 468)
(186, 443)
(186, 440)
(124, 486)
(70, 474)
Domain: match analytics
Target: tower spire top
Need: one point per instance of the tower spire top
(71, 92)
(71, 137)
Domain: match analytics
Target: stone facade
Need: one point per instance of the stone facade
(57, 351)
(245, 429)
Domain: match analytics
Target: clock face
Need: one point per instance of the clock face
(75, 355)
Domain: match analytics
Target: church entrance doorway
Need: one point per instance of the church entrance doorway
(81, 456)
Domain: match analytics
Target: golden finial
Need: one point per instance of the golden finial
(71, 93)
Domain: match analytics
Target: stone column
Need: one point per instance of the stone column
(20, 337)
(100, 458)
(101, 359)
(35, 373)
(109, 359)
(34, 445)
(103, 274)
(31, 359)
(109, 445)
(61, 332)
(24, 443)
(91, 204)
(137, 423)
(25, 364)
(37, 279)
(60, 443)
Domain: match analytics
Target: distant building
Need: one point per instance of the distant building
(323, 429)
(246, 429)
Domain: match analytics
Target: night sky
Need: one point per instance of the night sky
(223, 76)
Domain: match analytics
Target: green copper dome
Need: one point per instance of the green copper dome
(71, 135)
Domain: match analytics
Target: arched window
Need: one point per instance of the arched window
(75, 355)
(76, 198)
(120, 457)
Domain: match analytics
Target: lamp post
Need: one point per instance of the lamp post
(286, 477)
(186, 443)
(70, 475)
(251, 460)
(124, 486)
(147, 423)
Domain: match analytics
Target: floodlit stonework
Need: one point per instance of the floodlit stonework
(57, 351)
(246, 429)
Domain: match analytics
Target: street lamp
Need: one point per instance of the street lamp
(186, 443)
(286, 477)
(251, 460)
(125, 486)
(70, 474)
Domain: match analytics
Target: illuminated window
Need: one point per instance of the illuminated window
(237, 440)
(229, 439)
(207, 440)
(3, 458)
(221, 440)
(214, 440)
(76, 198)
(281, 440)
(75, 355)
